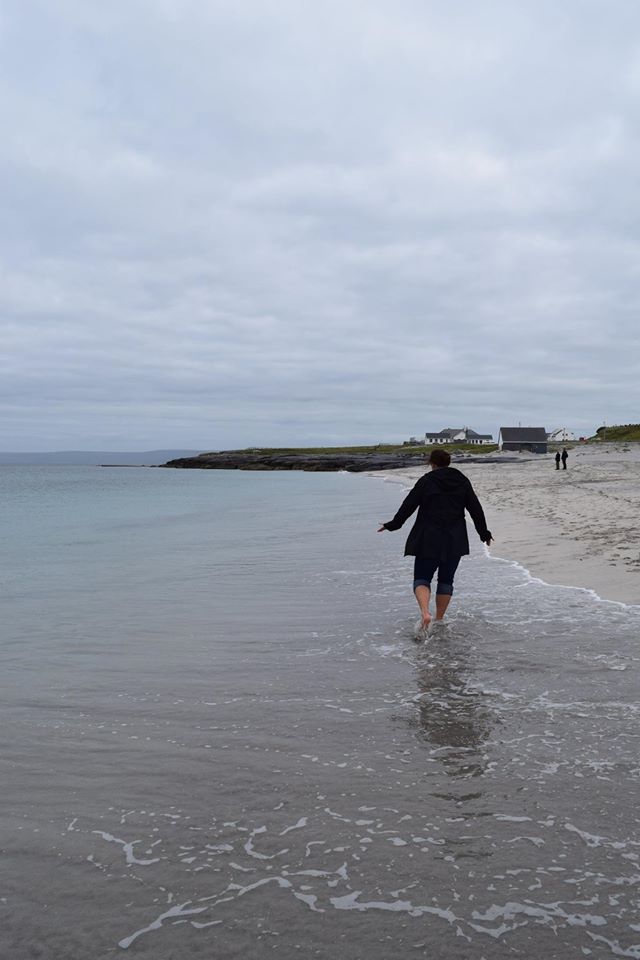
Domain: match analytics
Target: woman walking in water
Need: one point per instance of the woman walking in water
(438, 539)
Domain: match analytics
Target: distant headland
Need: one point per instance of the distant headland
(322, 459)
(93, 458)
(383, 456)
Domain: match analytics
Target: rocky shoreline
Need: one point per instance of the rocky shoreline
(313, 462)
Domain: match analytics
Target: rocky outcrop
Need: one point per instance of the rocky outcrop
(355, 463)
(316, 462)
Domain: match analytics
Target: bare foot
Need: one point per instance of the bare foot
(421, 627)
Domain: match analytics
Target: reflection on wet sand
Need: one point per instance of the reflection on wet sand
(451, 715)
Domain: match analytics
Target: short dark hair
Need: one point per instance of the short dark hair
(440, 458)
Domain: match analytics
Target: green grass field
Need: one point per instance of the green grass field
(382, 448)
(627, 431)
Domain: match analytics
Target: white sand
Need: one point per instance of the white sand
(579, 527)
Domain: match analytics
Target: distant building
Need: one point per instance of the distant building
(531, 439)
(561, 435)
(457, 435)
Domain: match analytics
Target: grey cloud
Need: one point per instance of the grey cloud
(229, 224)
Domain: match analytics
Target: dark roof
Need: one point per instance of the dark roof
(451, 432)
(478, 436)
(524, 434)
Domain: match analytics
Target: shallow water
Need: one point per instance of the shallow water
(220, 739)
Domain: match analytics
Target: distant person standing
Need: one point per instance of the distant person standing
(565, 457)
(438, 539)
(558, 460)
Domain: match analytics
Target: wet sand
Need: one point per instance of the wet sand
(578, 527)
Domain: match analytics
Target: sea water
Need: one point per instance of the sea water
(220, 739)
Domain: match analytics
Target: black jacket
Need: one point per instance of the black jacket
(441, 497)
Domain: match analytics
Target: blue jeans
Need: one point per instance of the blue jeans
(425, 567)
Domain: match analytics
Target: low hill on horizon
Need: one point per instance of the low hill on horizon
(88, 458)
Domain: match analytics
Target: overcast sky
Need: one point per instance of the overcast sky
(232, 223)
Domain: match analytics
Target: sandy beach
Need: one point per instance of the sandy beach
(578, 527)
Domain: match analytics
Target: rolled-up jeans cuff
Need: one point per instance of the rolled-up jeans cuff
(421, 583)
(446, 588)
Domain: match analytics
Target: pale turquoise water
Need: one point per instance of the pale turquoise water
(219, 739)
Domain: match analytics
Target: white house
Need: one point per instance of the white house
(457, 435)
(561, 435)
